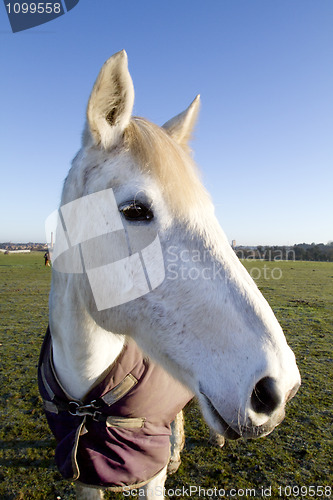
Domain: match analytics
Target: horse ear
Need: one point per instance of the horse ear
(111, 102)
(181, 126)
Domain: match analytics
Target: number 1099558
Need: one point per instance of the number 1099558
(34, 8)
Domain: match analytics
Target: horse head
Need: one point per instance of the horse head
(157, 267)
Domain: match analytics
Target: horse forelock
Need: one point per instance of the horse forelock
(157, 154)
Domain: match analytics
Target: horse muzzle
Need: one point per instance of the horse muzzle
(267, 410)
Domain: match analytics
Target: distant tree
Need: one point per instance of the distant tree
(300, 251)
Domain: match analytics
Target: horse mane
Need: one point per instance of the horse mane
(171, 164)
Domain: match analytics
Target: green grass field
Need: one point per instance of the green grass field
(297, 454)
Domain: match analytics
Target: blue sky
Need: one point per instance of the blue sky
(264, 69)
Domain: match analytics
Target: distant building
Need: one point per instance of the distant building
(23, 247)
(233, 244)
(2, 250)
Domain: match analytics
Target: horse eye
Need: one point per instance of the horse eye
(136, 211)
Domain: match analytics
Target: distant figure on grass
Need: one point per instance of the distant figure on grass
(47, 259)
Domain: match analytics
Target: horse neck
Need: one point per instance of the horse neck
(82, 350)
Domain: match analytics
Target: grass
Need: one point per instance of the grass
(298, 453)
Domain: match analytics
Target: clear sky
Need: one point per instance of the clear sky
(264, 69)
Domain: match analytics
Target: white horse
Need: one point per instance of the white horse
(202, 318)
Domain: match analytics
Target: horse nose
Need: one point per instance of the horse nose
(266, 397)
(293, 391)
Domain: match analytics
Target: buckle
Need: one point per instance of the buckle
(75, 406)
(97, 416)
(78, 410)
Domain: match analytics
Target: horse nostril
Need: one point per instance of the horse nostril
(265, 397)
